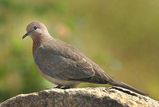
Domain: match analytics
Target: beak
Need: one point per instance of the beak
(28, 33)
(25, 35)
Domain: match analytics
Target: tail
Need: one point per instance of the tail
(123, 85)
(101, 78)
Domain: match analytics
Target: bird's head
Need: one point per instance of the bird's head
(35, 29)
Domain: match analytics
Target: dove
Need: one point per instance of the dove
(64, 65)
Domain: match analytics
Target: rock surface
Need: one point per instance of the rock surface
(81, 97)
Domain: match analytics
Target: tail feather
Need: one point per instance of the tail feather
(101, 78)
(106, 79)
(123, 85)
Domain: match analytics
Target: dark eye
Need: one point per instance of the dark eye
(35, 27)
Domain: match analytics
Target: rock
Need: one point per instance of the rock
(81, 97)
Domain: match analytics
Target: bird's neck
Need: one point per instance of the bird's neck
(38, 40)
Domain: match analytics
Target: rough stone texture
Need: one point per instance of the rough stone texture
(81, 97)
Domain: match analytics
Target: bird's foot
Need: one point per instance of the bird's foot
(58, 86)
(62, 87)
(65, 87)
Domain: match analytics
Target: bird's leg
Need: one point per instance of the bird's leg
(65, 87)
(58, 86)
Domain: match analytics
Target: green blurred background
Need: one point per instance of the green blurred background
(122, 36)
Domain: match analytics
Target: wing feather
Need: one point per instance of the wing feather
(59, 60)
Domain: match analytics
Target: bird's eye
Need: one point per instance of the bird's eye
(35, 27)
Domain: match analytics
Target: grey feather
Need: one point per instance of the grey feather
(63, 62)
(64, 65)
(59, 60)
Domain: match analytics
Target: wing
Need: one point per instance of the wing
(59, 60)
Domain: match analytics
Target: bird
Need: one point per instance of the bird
(64, 65)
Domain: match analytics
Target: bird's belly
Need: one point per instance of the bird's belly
(58, 81)
(54, 78)
(50, 68)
